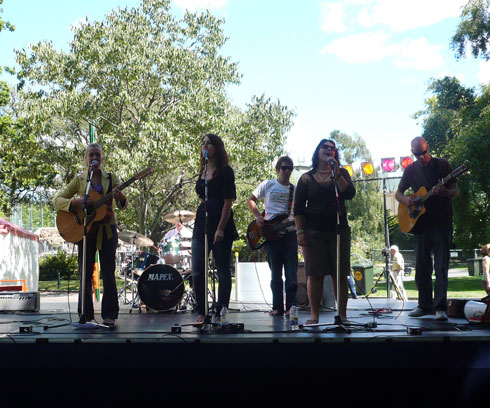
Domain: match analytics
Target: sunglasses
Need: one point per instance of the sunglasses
(284, 168)
(328, 147)
(419, 154)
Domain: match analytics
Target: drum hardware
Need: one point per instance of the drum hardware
(135, 239)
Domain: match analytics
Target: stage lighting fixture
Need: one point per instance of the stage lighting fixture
(349, 169)
(367, 168)
(388, 164)
(405, 161)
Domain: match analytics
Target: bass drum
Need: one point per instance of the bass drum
(161, 287)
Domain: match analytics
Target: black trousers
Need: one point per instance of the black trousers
(107, 258)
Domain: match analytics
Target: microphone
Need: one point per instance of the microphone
(94, 163)
(331, 162)
(205, 153)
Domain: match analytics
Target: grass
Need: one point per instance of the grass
(458, 287)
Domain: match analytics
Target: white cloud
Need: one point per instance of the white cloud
(360, 48)
(374, 47)
(331, 18)
(193, 5)
(484, 72)
(398, 15)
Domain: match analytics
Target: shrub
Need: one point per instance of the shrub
(66, 265)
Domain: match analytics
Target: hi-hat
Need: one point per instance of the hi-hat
(132, 237)
(179, 216)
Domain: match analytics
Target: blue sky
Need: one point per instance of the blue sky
(359, 66)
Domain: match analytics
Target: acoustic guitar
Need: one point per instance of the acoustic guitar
(409, 215)
(273, 229)
(71, 225)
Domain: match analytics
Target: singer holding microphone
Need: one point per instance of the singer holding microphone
(315, 214)
(102, 237)
(215, 210)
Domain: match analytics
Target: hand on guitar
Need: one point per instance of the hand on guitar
(76, 205)
(260, 221)
(118, 195)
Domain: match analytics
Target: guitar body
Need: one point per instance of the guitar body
(70, 225)
(272, 230)
(408, 215)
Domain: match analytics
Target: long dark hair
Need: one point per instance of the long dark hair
(315, 160)
(221, 157)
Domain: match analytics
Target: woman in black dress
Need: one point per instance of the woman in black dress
(221, 229)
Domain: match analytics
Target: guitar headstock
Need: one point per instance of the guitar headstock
(460, 170)
(144, 173)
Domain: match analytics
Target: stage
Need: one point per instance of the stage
(380, 329)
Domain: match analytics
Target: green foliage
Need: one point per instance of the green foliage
(51, 265)
(473, 30)
(152, 85)
(458, 131)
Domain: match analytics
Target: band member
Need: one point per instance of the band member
(433, 230)
(221, 230)
(315, 213)
(278, 196)
(102, 237)
(398, 269)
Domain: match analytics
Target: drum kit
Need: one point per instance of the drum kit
(159, 282)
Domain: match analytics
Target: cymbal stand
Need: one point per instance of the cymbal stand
(135, 301)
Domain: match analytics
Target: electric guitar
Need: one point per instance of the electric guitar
(71, 225)
(409, 215)
(273, 229)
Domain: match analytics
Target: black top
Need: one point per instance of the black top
(438, 210)
(220, 187)
(318, 204)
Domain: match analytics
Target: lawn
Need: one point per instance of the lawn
(458, 287)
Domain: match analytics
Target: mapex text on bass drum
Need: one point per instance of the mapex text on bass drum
(161, 287)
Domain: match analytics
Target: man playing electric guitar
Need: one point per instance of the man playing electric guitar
(283, 252)
(433, 230)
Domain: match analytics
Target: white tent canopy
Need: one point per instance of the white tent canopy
(19, 256)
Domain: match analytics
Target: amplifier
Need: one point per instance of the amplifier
(20, 301)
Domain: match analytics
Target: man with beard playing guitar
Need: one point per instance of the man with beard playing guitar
(433, 231)
(282, 251)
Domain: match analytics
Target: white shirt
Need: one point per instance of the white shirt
(276, 199)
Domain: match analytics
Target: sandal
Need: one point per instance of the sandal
(200, 321)
(275, 313)
(311, 321)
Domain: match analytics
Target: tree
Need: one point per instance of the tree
(473, 30)
(458, 131)
(152, 85)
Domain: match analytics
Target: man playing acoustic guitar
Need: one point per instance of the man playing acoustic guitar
(283, 252)
(433, 230)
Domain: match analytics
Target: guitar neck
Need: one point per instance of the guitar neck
(453, 174)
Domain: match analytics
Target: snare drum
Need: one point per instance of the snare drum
(161, 287)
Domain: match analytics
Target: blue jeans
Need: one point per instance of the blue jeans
(283, 253)
(222, 257)
(436, 241)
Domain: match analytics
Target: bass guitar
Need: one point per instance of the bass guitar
(272, 229)
(71, 225)
(409, 215)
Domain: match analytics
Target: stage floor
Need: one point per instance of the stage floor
(374, 319)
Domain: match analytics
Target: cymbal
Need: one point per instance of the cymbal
(132, 237)
(180, 216)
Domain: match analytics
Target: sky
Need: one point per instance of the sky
(358, 66)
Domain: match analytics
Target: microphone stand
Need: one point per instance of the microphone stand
(207, 316)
